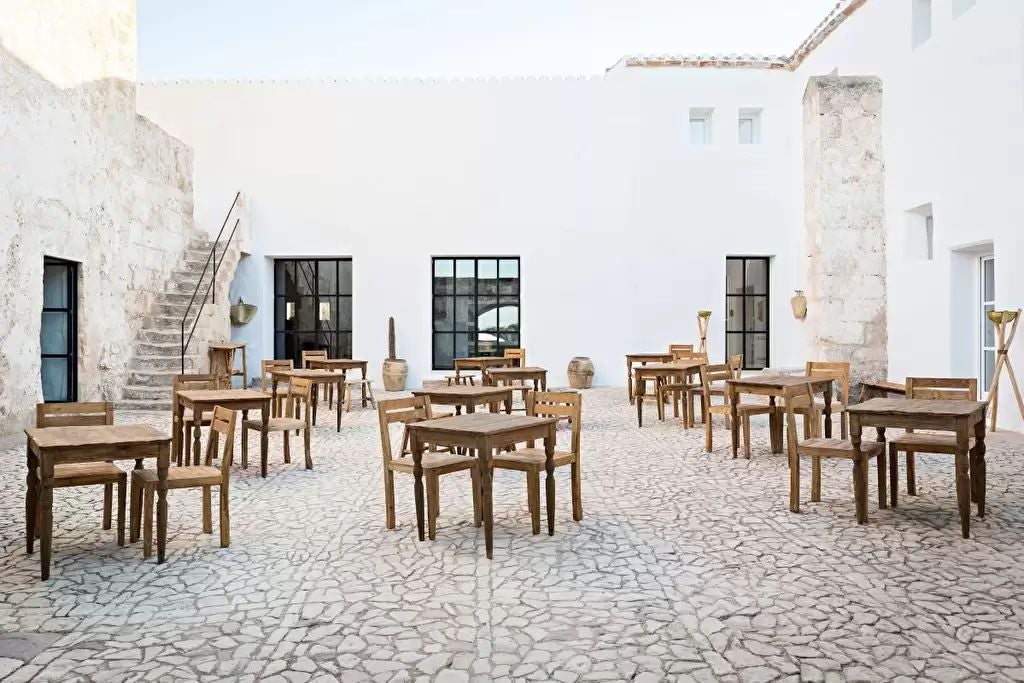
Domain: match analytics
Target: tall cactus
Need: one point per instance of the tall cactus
(391, 339)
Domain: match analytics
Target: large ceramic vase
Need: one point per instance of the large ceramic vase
(581, 372)
(396, 371)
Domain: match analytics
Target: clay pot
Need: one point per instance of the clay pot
(581, 372)
(396, 371)
(799, 304)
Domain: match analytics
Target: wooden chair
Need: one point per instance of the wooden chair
(799, 400)
(840, 371)
(408, 411)
(205, 476)
(318, 354)
(186, 383)
(713, 383)
(300, 391)
(672, 348)
(717, 389)
(85, 474)
(557, 404)
(351, 384)
(911, 442)
(518, 355)
(267, 383)
(679, 390)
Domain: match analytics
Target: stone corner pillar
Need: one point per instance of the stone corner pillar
(844, 208)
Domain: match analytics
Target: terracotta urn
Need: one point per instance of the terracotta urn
(581, 372)
(799, 304)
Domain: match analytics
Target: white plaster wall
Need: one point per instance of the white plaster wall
(953, 135)
(623, 227)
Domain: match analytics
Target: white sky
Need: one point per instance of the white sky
(193, 39)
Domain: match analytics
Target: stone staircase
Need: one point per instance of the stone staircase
(157, 354)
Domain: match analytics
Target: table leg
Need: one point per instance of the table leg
(179, 434)
(508, 404)
(31, 500)
(882, 498)
(196, 434)
(629, 380)
(978, 466)
(416, 444)
(484, 454)
(963, 480)
(638, 397)
(46, 502)
(860, 492)
(544, 382)
(774, 426)
(549, 466)
(265, 418)
(162, 464)
(658, 384)
(894, 476)
(363, 385)
(827, 395)
(337, 417)
(734, 418)
(315, 393)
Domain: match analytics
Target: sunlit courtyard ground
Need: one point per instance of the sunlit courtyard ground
(686, 566)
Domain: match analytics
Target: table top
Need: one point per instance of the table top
(96, 435)
(336, 361)
(482, 424)
(222, 395)
(885, 385)
(670, 367)
(227, 345)
(657, 354)
(307, 374)
(484, 359)
(918, 407)
(778, 381)
(513, 371)
(464, 391)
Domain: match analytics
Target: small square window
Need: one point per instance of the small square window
(921, 21)
(750, 127)
(700, 126)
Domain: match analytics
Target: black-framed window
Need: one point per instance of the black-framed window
(475, 307)
(58, 335)
(747, 309)
(312, 307)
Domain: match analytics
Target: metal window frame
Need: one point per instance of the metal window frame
(743, 332)
(280, 299)
(71, 355)
(473, 350)
(984, 383)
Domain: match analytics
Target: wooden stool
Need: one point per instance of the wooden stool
(461, 380)
(349, 383)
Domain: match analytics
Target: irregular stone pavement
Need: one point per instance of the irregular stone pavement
(687, 566)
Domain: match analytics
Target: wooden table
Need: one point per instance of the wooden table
(222, 361)
(681, 370)
(959, 417)
(62, 445)
(482, 363)
(203, 400)
(774, 386)
(467, 397)
(870, 389)
(643, 359)
(483, 432)
(343, 364)
(539, 376)
(317, 377)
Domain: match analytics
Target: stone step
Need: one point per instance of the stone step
(170, 363)
(157, 378)
(161, 335)
(134, 392)
(134, 404)
(169, 349)
(180, 298)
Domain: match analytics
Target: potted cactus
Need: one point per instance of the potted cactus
(396, 370)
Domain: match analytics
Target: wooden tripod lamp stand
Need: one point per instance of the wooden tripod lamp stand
(1004, 338)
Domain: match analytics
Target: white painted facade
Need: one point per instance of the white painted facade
(621, 223)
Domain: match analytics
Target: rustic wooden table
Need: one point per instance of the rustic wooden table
(774, 386)
(483, 432)
(317, 377)
(870, 389)
(66, 445)
(203, 400)
(659, 372)
(539, 376)
(482, 363)
(343, 364)
(469, 398)
(959, 417)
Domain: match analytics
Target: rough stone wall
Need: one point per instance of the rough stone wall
(844, 180)
(84, 178)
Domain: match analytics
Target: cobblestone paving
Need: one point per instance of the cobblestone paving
(687, 566)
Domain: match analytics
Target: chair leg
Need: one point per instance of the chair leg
(348, 398)
(108, 505)
(225, 517)
(306, 447)
(477, 517)
(883, 498)
(287, 449)
(122, 486)
(433, 494)
(816, 479)
(188, 443)
(533, 495)
(860, 493)
(147, 522)
(894, 475)
(746, 434)
(389, 498)
(911, 475)
(843, 425)
(794, 484)
(207, 511)
(245, 447)
(135, 512)
(577, 492)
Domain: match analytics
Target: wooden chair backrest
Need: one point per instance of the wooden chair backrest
(736, 363)
(558, 404)
(714, 373)
(837, 370)
(300, 395)
(402, 410)
(222, 424)
(942, 388)
(192, 382)
(798, 399)
(672, 348)
(266, 379)
(516, 354)
(312, 353)
(74, 414)
(689, 354)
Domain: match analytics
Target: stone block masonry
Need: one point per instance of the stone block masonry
(844, 180)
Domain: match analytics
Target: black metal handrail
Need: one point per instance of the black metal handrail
(212, 258)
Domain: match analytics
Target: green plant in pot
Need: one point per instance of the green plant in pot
(396, 370)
